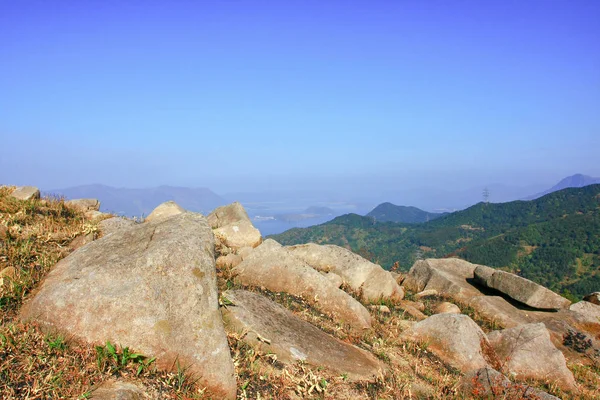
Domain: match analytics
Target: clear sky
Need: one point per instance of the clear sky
(238, 95)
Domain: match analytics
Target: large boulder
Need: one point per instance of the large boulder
(26, 193)
(500, 311)
(276, 330)
(114, 224)
(151, 288)
(165, 210)
(527, 352)
(274, 267)
(233, 228)
(447, 276)
(372, 281)
(520, 289)
(455, 339)
(83, 205)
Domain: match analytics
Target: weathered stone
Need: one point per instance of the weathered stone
(26, 193)
(383, 309)
(3, 232)
(119, 390)
(333, 278)
(277, 330)
(489, 383)
(272, 266)
(528, 353)
(238, 235)
(413, 309)
(590, 311)
(372, 281)
(497, 309)
(165, 210)
(227, 215)
(448, 276)
(593, 298)
(447, 308)
(83, 205)
(94, 215)
(114, 224)
(455, 339)
(520, 289)
(151, 288)
(230, 260)
(426, 293)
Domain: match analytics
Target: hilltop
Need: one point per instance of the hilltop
(552, 240)
(388, 212)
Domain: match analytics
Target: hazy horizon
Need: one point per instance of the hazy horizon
(353, 98)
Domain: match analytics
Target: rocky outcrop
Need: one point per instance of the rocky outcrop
(372, 281)
(455, 339)
(26, 193)
(276, 330)
(165, 210)
(486, 383)
(233, 228)
(527, 352)
(151, 288)
(520, 289)
(498, 310)
(274, 267)
(447, 276)
(83, 205)
(590, 311)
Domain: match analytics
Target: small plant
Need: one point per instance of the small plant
(58, 343)
(109, 357)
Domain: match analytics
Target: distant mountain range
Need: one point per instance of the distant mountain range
(553, 240)
(388, 212)
(573, 181)
(138, 202)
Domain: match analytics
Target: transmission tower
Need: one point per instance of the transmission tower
(486, 195)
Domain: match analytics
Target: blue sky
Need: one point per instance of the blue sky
(249, 95)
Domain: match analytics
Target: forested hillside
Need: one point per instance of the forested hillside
(553, 240)
(388, 212)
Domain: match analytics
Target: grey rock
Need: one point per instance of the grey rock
(26, 193)
(233, 228)
(489, 383)
(454, 338)
(114, 224)
(520, 289)
(83, 205)
(151, 288)
(447, 308)
(497, 309)
(119, 390)
(590, 311)
(277, 330)
(372, 281)
(272, 266)
(527, 352)
(227, 215)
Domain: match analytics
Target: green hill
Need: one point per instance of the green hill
(553, 240)
(388, 212)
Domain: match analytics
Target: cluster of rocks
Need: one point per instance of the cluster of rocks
(152, 287)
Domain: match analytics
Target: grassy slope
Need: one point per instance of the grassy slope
(553, 240)
(38, 365)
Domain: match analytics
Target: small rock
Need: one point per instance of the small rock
(383, 309)
(227, 215)
(165, 210)
(119, 390)
(447, 308)
(26, 193)
(426, 293)
(238, 235)
(333, 278)
(94, 215)
(230, 260)
(83, 205)
(411, 309)
(3, 232)
(455, 339)
(527, 352)
(81, 241)
(593, 298)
